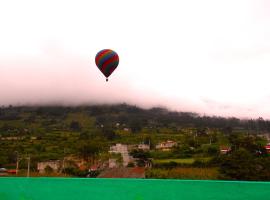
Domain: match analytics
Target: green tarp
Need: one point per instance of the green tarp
(129, 189)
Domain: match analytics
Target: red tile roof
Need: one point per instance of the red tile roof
(136, 172)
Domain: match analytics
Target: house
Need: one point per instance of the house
(55, 165)
(224, 149)
(113, 163)
(144, 147)
(3, 172)
(267, 147)
(123, 150)
(72, 161)
(126, 129)
(13, 138)
(119, 148)
(166, 146)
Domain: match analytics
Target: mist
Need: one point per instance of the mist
(61, 78)
(209, 57)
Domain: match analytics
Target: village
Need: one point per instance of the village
(124, 141)
(121, 163)
(124, 166)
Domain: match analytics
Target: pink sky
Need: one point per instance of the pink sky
(210, 57)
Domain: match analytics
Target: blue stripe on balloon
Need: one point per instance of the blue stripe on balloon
(103, 59)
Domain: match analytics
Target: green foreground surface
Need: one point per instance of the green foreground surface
(127, 189)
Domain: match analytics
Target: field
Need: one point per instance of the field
(184, 173)
(181, 160)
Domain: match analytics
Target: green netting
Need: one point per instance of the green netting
(129, 189)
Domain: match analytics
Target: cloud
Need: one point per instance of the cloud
(58, 77)
(172, 54)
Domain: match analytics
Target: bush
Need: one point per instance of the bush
(242, 165)
(76, 172)
(131, 164)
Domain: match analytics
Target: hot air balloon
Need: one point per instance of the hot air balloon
(107, 61)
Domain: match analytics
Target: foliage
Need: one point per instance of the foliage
(48, 169)
(54, 132)
(76, 172)
(243, 165)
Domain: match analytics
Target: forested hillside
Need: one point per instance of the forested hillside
(87, 132)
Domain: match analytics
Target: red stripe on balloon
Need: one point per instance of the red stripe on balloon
(112, 69)
(107, 62)
(101, 54)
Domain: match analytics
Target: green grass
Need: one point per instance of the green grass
(180, 160)
(184, 173)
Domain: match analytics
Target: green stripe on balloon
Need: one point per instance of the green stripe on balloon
(105, 57)
(107, 72)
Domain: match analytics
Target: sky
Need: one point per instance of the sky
(211, 57)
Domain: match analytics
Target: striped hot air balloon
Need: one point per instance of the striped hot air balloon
(107, 61)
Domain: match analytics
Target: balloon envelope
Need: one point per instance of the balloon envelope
(107, 61)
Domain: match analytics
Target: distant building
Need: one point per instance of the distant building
(144, 147)
(267, 147)
(123, 150)
(3, 172)
(225, 149)
(12, 138)
(166, 146)
(119, 148)
(113, 163)
(55, 165)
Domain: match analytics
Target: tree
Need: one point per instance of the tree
(142, 157)
(89, 151)
(109, 133)
(48, 169)
(243, 165)
(75, 126)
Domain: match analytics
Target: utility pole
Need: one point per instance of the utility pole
(28, 170)
(17, 163)
(63, 167)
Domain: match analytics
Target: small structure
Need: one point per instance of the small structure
(144, 147)
(166, 146)
(3, 172)
(55, 165)
(267, 148)
(118, 148)
(13, 138)
(126, 129)
(123, 150)
(225, 149)
(112, 163)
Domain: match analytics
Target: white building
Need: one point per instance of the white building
(55, 165)
(123, 150)
(144, 147)
(112, 163)
(166, 146)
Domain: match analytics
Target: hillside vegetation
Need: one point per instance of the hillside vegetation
(87, 132)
